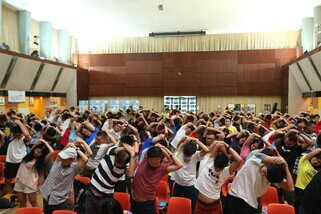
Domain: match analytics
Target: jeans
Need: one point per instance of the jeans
(48, 209)
(186, 192)
(95, 203)
(147, 207)
(236, 205)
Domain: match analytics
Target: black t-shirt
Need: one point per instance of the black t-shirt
(311, 200)
(290, 154)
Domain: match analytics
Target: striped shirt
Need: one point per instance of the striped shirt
(59, 183)
(106, 175)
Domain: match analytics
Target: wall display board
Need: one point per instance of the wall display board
(83, 105)
(116, 105)
(16, 96)
(98, 106)
(251, 108)
(184, 103)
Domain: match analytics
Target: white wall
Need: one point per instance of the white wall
(295, 101)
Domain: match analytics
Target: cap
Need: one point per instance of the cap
(68, 153)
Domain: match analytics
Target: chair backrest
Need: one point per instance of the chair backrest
(156, 205)
(63, 212)
(84, 180)
(1, 170)
(124, 199)
(179, 205)
(2, 158)
(55, 154)
(29, 210)
(270, 196)
(162, 191)
(274, 208)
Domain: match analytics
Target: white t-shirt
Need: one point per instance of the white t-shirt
(99, 151)
(209, 182)
(186, 176)
(179, 134)
(249, 184)
(16, 151)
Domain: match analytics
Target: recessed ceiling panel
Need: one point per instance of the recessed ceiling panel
(47, 78)
(317, 61)
(310, 74)
(299, 78)
(65, 80)
(4, 64)
(23, 75)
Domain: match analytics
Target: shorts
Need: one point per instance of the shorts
(10, 170)
(20, 187)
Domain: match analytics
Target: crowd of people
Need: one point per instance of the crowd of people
(132, 151)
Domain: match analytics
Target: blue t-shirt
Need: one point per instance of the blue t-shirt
(91, 137)
(147, 144)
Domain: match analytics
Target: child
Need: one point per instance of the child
(16, 152)
(27, 179)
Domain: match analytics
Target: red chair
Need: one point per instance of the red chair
(63, 212)
(280, 209)
(123, 199)
(55, 154)
(162, 193)
(29, 210)
(179, 205)
(2, 158)
(156, 206)
(84, 180)
(226, 186)
(165, 178)
(2, 179)
(270, 196)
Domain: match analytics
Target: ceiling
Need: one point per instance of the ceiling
(101, 19)
(26, 74)
(307, 72)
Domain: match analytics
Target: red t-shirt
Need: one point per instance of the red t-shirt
(147, 179)
(65, 138)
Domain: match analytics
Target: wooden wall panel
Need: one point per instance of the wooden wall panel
(221, 91)
(216, 65)
(82, 84)
(152, 91)
(217, 80)
(179, 73)
(174, 87)
(109, 75)
(106, 90)
(144, 80)
(141, 67)
(217, 55)
(255, 56)
(215, 73)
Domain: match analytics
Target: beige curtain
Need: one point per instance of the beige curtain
(211, 42)
(9, 25)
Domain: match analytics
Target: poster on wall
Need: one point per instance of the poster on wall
(83, 105)
(16, 96)
(267, 107)
(231, 107)
(31, 101)
(2, 101)
(251, 108)
(183, 103)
